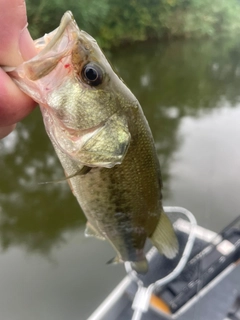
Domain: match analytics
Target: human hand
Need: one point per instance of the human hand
(16, 46)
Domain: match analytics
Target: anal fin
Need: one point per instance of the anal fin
(90, 231)
(164, 237)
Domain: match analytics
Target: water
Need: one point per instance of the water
(190, 95)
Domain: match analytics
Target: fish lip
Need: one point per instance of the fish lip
(57, 34)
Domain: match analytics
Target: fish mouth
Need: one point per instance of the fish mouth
(49, 41)
(53, 62)
(69, 31)
(45, 44)
(67, 45)
(53, 48)
(64, 50)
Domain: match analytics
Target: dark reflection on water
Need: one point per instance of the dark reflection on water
(32, 214)
(190, 95)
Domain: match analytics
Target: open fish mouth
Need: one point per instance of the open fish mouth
(51, 44)
(59, 43)
(55, 52)
(61, 56)
(53, 48)
(49, 40)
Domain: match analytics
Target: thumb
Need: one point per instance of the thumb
(16, 44)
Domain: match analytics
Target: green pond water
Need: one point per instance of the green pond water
(190, 93)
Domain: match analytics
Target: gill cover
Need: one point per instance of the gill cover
(108, 146)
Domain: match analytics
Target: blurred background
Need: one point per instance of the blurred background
(181, 58)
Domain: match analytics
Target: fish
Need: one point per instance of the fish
(103, 141)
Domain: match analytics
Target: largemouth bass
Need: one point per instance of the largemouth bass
(103, 141)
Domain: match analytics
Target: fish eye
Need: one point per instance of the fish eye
(92, 74)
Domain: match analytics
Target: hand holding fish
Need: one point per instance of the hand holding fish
(16, 45)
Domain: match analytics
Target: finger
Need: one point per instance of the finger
(16, 43)
(4, 131)
(14, 104)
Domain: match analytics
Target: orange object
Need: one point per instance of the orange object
(158, 303)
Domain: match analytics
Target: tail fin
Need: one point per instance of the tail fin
(140, 266)
(164, 237)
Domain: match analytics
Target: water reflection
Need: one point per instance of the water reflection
(171, 82)
(177, 80)
(190, 95)
(32, 214)
(205, 170)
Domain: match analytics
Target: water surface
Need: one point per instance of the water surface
(190, 95)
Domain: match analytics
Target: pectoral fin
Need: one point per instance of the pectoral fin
(84, 170)
(108, 146)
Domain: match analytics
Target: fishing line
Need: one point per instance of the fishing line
(142, 297)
